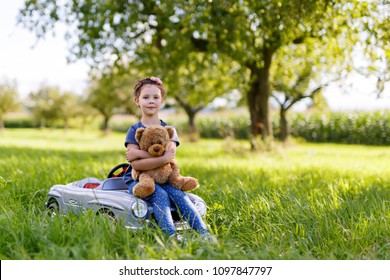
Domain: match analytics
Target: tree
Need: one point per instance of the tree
(87, 114)
(8, 99)
(109, 93)
(71, 107)
(45, 104)
(376, 38)
(198, 81)
(298, 73)
(249, 32)
(49, 105)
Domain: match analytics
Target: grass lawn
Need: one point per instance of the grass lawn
(307, 201)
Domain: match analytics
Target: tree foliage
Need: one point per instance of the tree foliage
(199, 80)
(110, 93)
(45, 105)
(49, 105)
(376, 43)
(302, 71)
(8, 99)
(71, 106)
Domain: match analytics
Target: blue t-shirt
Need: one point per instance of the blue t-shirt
(130, 139)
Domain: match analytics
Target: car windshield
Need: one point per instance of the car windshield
(113, 184)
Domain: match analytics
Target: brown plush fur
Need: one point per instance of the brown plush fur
(155, 140)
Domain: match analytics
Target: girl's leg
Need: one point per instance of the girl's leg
(187, 208)
(161, 208)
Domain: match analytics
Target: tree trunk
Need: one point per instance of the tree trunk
(284, 129)
(193, 131)
(66, 125)
(42, 123)
(191, 113)
(1, 124)
(105, 127)
(258, 99)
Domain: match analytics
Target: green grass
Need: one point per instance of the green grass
(307, 201)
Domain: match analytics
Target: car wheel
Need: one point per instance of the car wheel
(53, 209)
(107, 213)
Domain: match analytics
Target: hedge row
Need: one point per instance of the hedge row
(233, 126)
(20, 123)
(370, 128)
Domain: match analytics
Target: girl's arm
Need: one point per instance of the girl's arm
(141, 160)
(133, 152)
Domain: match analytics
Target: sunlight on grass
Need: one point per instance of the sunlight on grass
(57, 139)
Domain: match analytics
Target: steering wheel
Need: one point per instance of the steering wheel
(118, 171)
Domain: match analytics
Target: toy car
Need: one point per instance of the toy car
(110, 197)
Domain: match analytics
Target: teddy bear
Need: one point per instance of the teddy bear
(155, 140)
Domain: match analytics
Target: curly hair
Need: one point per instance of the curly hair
(148, 81)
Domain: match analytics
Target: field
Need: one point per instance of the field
(305, 201)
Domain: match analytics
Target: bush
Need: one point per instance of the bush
(371, 128)
(234, 126)
(20, 123)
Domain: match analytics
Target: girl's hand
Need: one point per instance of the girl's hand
(169, 155)
(133, 153)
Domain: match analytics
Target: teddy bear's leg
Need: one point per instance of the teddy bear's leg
(181, 182)
(190, 184)
(145, 186)
(135, 174)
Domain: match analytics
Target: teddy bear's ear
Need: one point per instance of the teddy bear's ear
(171, 131)
(138, 134)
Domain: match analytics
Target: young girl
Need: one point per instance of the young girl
(149, 95)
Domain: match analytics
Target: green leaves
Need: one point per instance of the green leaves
(164, 38)
(8, 99)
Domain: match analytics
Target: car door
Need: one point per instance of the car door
(76, 198)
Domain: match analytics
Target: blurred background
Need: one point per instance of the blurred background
(317, 70)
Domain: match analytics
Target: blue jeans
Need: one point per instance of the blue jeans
(161, 201)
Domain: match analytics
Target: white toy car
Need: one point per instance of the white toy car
(110, 197)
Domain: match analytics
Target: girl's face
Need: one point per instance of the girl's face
(149, 100)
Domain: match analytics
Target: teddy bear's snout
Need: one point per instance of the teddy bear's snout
(156, 150)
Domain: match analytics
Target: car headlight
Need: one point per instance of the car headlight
(201, 207)
(140, 209)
